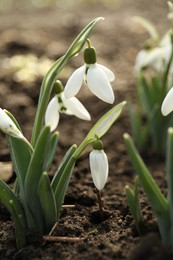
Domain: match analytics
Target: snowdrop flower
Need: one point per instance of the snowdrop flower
(7, 126)
(59, 104)
(167, 105)
(99, 165)
(96, 76)
(146, 58)
(157, 57)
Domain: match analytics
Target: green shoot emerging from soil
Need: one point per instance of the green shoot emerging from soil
(162, 207)
(35, 202)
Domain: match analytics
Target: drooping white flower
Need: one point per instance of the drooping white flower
(167, 105)
(99, 168)
(157, 57)
(96, 76)
(59, 104)
(7, 125)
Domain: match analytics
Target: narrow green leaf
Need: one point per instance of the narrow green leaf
(60, 170)
(15, 208)
(36, 168)
(63, 183)
(134, 204)
(20, 152)
(149, 27)
(48, 203)
(52, 150)
(106, 121)
(147, 97)
(158, 202)
(169, 168)
(139, 130)
(101, 127)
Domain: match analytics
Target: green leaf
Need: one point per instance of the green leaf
(158, 202)
(146, 95)
(106, 121)
(52, 75)
(134, 205)
(62, 176)
(63, 183)
(60, 170)
(101, 127)
(15, 208)
(149, 27)
(48, 203)
(20, 152)
(36, 168)
(52, 150)
(169, 170)
(139, 129)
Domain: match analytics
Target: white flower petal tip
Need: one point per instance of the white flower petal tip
(109, 73)
(7, 126)
(75, 107)
(99, 84)
(167, 105)
(52, 114)
(99, 168)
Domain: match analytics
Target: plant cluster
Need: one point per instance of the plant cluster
(154, 72)
(156, 98)
(35, 200)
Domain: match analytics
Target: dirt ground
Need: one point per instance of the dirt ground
(46, 34)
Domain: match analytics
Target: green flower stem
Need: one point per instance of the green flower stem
(52, 74)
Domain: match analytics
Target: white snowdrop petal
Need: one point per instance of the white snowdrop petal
(139, 63)
(74, 83)
(75, 107)
(8, 126)
(99, 84)
(167, 105)
(52, 113)
(99, 168)
(5, 120)
(108, 72)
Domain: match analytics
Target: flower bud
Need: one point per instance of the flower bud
(90, 55)
(99, 168)
(7, 126)
(58, 87)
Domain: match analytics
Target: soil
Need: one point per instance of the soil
(47, 33)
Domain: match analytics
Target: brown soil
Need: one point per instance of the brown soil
(49, 33)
